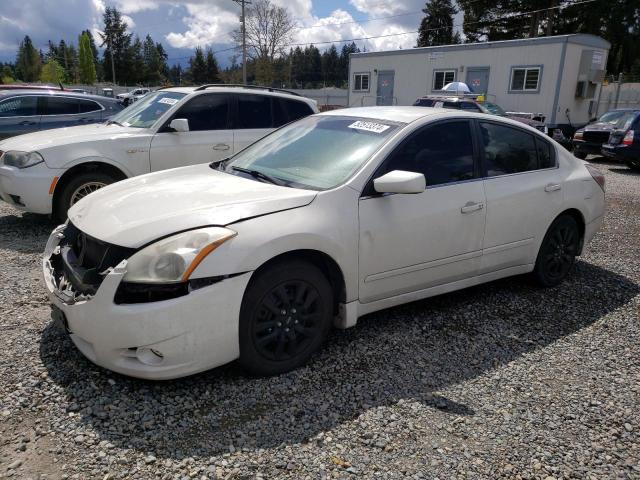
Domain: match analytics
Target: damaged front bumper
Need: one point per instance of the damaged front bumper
(155, 340)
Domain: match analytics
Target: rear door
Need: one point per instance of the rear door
(89, 111)
(523, 188)
(252, 120)
(60, 112)
(19, 115)
(209, 138)
(384, 95)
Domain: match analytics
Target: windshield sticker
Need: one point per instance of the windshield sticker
(168, 101)
(369, 126)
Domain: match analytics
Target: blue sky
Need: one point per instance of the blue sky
(183, 24)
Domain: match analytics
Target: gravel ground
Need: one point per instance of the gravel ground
(499, 381)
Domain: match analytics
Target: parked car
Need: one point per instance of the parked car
(472, 105)
(623, 144)
(589, 139)
(78, 90)
(169, 128)
(27, 86)
(132, 96)
(327, 219)
(24, 111)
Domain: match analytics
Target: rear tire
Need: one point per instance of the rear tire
(558, 252)
(580, 155)
(76, 189)
(286, 314)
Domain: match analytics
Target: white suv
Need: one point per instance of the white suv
(133, 96)
(47, 172)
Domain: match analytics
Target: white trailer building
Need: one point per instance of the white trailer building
(559, 76)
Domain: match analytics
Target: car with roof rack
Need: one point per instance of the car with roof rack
(171, 127)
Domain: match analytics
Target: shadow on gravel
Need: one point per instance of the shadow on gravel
(406, 353)
(625, 171)
(25, 233)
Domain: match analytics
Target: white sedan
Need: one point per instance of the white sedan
(327, 219)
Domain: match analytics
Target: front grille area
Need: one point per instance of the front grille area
(83, 260)
(595, 137)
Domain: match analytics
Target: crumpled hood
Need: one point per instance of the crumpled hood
(44, 139)
(140, 210)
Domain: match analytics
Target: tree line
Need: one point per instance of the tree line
(272, 60)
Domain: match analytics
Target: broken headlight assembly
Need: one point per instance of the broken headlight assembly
(173, 259)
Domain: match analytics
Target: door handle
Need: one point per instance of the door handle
(552, 187)
(472, 207)
(221, 146)
(27, 122)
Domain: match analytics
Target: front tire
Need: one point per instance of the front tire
(76, 189)
(286, 314)
(558, 252)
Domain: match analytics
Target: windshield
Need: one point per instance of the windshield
(317, 152)
(146, 111)
(612, 117)
(624, 121)
(494, 109)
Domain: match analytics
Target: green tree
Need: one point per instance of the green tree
(116, 41)
(198, 67)
(152, 62)
(347, 50)
(28, 62)
(134, 72)
(436, 27)
(52, 72)
(87, 65)
(331, 67)
(212, 69)
(6, 76)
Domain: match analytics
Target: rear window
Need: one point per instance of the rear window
(625, 121)
(19, 106)
(88, 106)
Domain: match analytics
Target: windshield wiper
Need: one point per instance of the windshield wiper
(110, 122)
(259, 175)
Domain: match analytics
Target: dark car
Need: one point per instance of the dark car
(25, 111)
(623, 144)
(472, 105)
(588, 140)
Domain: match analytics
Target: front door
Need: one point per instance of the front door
(384, 95)
(209, 138)
(413, 242)
(478, 79)
(19, 115)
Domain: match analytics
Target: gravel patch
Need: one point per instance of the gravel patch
(503, 380)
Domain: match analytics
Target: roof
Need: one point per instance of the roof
(577, 38)
(390, 114)
(63, 93)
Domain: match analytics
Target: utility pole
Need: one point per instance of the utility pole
(243, 20)
(113, 68)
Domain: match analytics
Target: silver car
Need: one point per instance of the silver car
(25, 111)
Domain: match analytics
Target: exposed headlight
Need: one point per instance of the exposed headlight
(21, 159)
(578, 135)
(174, 259)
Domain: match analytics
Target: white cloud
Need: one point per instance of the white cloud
(206, 25)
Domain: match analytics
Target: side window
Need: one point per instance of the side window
(206, 112)
(19, 106)
(361, 82)
(454, 105)
(88, 106)
(297, 109)
(546, 158)
(61, 106)
(507, 150)
(443, 77)
(442, 152)
(254, 111)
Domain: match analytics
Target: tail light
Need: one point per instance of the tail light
(597, 175)
(577, 135)
(628, 138)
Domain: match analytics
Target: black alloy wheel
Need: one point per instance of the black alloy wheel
(558, 251)
(285, 316)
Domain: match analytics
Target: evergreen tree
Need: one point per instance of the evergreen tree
(330, 66)
(347, 50)
(94, 51)
(436, 28)
(175, 74)
(135, 72)
(6, 74)
(152, 62)
(212, 71)
(28, 62)
(198, 67)
(86, 64)
(52, 72)
(116, 40)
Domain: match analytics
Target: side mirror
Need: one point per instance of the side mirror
(180, 124)
(399, 181)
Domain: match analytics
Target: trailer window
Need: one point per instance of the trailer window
(442, 77)
(361, 82)
(525, 79)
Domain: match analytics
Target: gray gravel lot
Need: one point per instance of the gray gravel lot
(503, 380)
